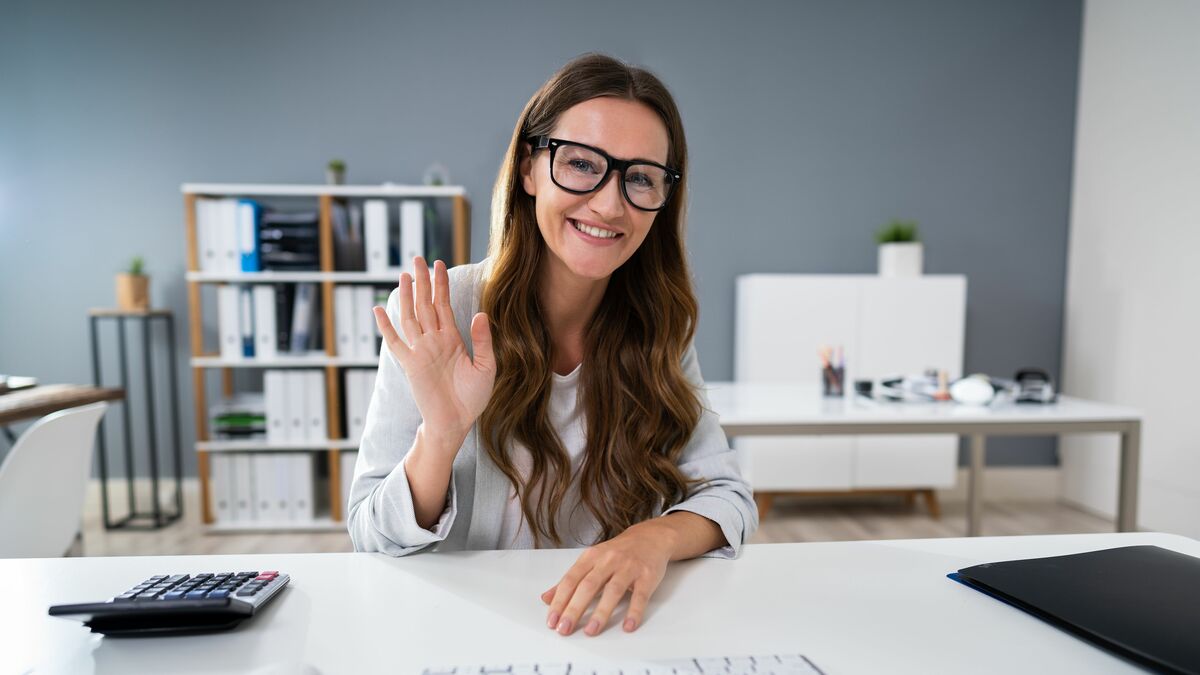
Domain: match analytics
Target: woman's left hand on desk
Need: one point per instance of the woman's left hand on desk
(633, 561)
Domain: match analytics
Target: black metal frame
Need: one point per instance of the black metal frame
(620, 165)
(157, 517)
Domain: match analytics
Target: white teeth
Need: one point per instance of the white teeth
(594, 231)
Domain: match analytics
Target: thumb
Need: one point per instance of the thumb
(481, 342)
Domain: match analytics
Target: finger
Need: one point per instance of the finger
(548, 595)
(562, 592)
(637, 607)
(424, 297)
(582, 598)
(408, 319)
(481, 342)
(441, 295)
(390, 337)
(613, 592)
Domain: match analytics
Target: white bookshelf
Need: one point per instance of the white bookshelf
(272, 277)
(313, 360)
(386, 190)
(204, 361)
(263, 446)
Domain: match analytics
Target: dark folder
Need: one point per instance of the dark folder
(1142, 602)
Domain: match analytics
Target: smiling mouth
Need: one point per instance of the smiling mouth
(594, 231)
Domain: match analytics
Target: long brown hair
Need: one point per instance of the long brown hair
(640, 409)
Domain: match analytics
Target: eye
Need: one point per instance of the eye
(641, 181)
(581, 165)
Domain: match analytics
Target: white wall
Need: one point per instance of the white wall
(1132, 324)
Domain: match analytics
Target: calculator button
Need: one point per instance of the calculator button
(195, 595)
(174, 595)
(219, 593)
(125, 596)
(246, 592)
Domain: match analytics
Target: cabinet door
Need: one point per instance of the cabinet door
(906, 327)
(786, 463)
(782, 319)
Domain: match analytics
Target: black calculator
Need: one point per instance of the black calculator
(179, 603)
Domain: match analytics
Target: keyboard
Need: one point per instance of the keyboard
(179, 603)
(779, 664)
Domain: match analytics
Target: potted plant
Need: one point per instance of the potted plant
(335, 172)
(900, 252)
(133, 287)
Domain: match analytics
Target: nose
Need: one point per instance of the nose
(608, 202)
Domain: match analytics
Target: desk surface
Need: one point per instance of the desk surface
(47, 398)
(740, 403)
(852, 607)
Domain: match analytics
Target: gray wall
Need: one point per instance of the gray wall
(810, 124)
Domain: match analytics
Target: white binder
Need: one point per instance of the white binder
(343, 320)
(265, 335)
(265, 505)
(316, 427)
(348, 460)
(301, 487)
(206, 235)
(243, 488)
(294, 399)
(221, 487)
(227, 238)
(274, 398)
(364, 323)
(228, 325)
(412, 232)
(375, 226)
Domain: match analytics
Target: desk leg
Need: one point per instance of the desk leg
(1127, 491)
(975, 484)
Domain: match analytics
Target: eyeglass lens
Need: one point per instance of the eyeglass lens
(578, 168)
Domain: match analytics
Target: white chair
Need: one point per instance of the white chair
(43, 482)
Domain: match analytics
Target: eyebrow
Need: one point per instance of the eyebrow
(625, 159)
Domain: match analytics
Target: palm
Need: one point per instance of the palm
(449, 388)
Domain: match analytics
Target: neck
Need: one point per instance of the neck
(568, 303)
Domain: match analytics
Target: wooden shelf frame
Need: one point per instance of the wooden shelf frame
(203, 361)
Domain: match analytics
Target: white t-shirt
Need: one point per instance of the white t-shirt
(576, 525)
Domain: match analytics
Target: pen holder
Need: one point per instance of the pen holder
(832, 379)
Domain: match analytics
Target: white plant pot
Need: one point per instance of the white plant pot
(900, 259)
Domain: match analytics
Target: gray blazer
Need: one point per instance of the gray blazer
(381, 515)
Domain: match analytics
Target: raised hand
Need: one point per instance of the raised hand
(450, 389)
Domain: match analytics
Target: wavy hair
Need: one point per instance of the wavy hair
(639, 407)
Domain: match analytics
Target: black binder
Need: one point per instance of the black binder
(1142, 602)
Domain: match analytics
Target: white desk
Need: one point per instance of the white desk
(852, 607)
(748, 409)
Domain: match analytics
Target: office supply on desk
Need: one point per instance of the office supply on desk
(1142, 602)
(179, 604)
(763, 664)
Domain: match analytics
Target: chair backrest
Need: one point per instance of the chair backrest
(43, 482)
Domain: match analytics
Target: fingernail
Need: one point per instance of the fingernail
(564, 627)
(593, 627)
(630, 624)
(552, 622)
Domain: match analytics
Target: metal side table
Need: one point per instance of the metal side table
(156, 517)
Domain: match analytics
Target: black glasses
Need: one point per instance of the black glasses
(580, 169)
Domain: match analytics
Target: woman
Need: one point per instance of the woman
(575, 419)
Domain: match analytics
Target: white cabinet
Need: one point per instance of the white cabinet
(886, 327)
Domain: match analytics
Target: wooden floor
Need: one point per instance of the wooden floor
(791, 520)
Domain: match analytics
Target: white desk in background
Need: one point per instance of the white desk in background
(753, 409)
(851, 607)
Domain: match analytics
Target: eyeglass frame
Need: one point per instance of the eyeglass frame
(619, 165)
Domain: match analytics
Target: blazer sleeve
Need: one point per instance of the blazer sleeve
(725, 497)
(380, 511)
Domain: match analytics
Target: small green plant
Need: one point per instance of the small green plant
(336, 165)
(137, 266)
(897, 231)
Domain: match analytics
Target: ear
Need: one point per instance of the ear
(526, 170)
